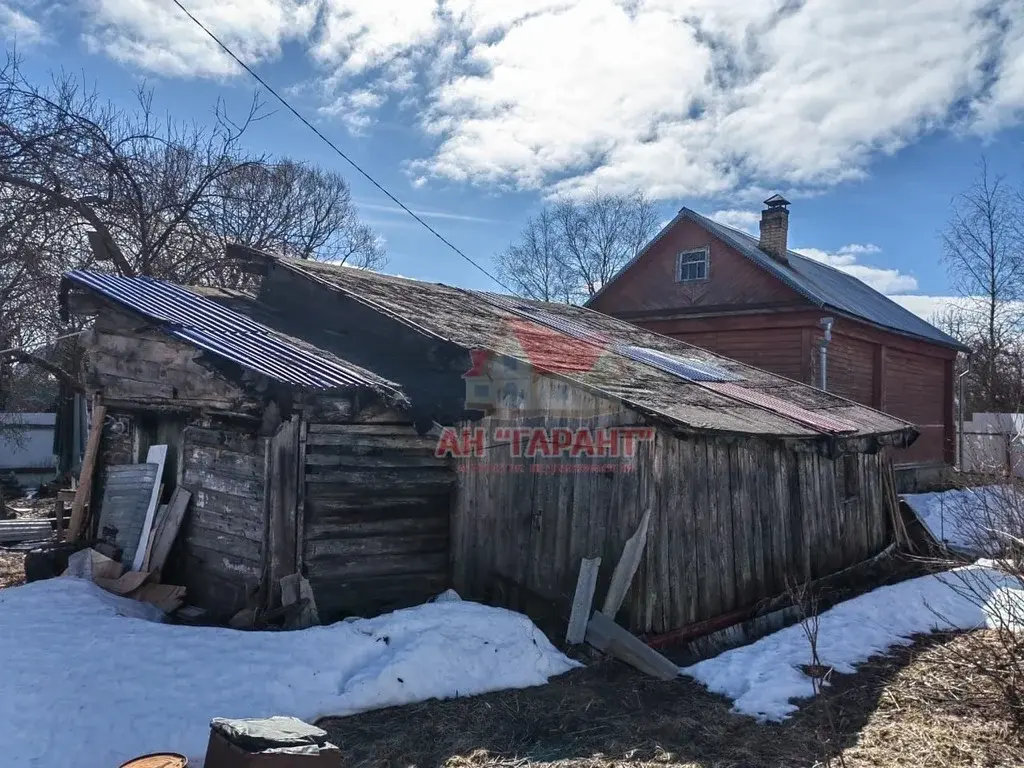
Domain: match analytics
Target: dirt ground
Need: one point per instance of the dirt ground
(12, 569)
(904, 709)
(913, 707)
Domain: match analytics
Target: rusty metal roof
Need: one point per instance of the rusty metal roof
(229, 334)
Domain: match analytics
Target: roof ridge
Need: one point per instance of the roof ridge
(806, 283)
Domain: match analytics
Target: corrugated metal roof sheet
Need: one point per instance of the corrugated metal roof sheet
(695, 371)
(228, 334)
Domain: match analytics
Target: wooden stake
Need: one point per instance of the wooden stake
(624, 571)
(582, 601)
(164, 536)
(92, 447)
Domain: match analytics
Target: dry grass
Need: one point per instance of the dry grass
(905, 709)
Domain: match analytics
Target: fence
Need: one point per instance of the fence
(994, 442)
(26, 447)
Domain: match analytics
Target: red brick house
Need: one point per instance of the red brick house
(756, 301)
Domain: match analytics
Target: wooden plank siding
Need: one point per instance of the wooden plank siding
(778, 350)
(376, 517)
(732, 521)
(909, 379)
(138, 367)
(222, 541)
(732, 279)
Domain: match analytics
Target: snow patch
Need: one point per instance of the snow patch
(964, 520)
(763, 678)
(129, 685)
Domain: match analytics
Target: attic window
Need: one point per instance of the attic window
(692, 265)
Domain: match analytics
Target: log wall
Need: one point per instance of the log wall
(732, 521)
(137, 366)
(375, 517)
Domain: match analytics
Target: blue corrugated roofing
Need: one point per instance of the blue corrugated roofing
(821, 284)
(228, 334)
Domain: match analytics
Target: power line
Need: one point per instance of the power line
(333, 146)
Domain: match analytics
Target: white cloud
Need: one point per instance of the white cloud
(156, 36)
(18, 26)
(680, 97)
(425, 213)
(929, 307)
(737, 219)
(847, 259)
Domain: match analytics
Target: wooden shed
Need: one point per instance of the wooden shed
(753, 480)
(297, 460)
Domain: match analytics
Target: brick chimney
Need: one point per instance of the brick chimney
(775, 228)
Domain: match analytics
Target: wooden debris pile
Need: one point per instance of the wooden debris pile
(599, 628)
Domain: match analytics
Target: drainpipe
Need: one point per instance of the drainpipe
(961, 407)
(826, 325)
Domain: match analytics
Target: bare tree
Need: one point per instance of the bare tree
(296, 210)
(132, 179)
(83, 181)
(534, 266)
(573, 247)
(984, 253)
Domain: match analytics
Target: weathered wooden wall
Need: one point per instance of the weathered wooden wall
(137, 366)
(732, 520)
(222, 540)
(375, 518)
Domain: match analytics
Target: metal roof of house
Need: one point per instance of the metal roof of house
(229, 334)
(825, 286)
(588, 351)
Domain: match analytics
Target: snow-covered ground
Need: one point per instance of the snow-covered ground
(763, 678)
(89, 679)
(965, 519)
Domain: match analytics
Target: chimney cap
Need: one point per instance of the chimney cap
(776, 201)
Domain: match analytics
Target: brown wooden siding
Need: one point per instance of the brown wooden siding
(376, 517)
(916, 391)
(222, 541)
(731, 522)
(909, 379)
(778, 350)
(732, 278)
(851, 364)
(136, 366)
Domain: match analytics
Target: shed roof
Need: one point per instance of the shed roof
(230, 335)
(819, 283)
(758, 402)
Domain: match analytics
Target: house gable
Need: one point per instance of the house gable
(733, 281)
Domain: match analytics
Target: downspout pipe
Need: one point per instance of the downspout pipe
(826, 337)
(961, 408)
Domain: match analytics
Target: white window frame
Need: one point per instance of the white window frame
(705, 252)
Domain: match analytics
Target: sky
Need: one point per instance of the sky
(869, 116)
